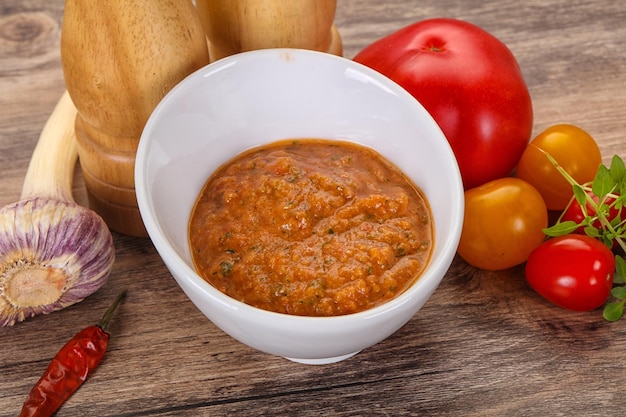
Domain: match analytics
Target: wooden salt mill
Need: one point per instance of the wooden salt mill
(234, 26)
(119, 59)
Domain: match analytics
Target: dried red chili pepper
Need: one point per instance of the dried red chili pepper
(70, 367)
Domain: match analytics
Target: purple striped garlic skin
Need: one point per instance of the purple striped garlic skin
(52, 254)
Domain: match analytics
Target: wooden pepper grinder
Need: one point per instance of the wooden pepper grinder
(119, 59)
(234, 26)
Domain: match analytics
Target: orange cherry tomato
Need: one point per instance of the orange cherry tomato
(502, 225)
(573, 148)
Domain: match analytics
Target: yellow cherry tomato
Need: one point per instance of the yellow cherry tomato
(573, 148)
(502, 225)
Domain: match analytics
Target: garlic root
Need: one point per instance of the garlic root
(53, 252)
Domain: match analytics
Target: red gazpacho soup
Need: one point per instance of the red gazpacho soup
(311, 227)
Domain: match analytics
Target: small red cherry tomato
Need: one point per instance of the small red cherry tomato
(572, 271)
(575, 213)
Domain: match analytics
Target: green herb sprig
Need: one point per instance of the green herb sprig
(609, 186)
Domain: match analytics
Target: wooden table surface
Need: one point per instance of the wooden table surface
(484, 344)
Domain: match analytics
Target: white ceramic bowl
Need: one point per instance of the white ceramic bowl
(257, 97)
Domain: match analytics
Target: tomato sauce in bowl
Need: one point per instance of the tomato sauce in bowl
(311, 227)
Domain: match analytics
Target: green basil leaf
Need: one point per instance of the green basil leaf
(621, 189)
(619, 293)
(613, 311)
(580, 195)
(620, 271)
(603, 183)
(592, 231)
(560, 229)
(617, 169)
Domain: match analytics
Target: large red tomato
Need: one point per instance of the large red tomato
(471, 84)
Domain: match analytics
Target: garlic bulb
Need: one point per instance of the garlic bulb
(53, 252)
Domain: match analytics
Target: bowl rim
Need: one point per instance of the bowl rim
(430, 277)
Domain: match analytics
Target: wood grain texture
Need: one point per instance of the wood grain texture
(234, 26)
(119, 59)
(483, 345)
